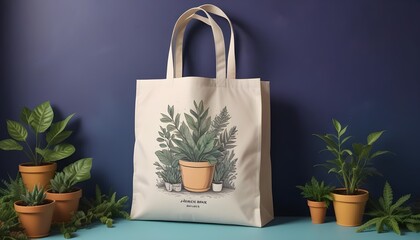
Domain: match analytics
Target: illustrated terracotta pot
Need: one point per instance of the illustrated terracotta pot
(66, 204)
(36, 220)
(217, 187)
(196, 176)
(318, 211)
(349, 209)
(37, 175)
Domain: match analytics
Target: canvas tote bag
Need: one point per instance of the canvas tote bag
(202, 145)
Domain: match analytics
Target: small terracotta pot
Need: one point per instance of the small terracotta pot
(66, 204)
(37, 175)
(36, 220)
(349, 209)
(196, 176)
(318, 211)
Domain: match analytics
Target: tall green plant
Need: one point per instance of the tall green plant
(391, 216)
(40, 122)
(351, 166)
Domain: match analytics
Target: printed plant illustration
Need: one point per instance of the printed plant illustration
(196, 139)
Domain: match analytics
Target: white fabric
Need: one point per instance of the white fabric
(247, 102)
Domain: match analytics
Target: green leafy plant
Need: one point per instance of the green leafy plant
(169, 173)
(40, 121)
(12, 190)
(351, 166)
(33, 198)
(9, 223)
(391, 216)
(79, 171)
(104, 208)
(317, 191)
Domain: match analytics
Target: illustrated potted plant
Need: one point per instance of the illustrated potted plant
(169, 173)
(43, 153)
(225, 167)
(195, 143)
(64, 193)
(318, 197)
(35, 212)
(352, 167)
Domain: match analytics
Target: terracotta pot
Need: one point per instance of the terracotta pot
(349, 209)
(36, 220)
(66, 204)
(196, 176)
(37, 175)
(318, 211)
(217, 187)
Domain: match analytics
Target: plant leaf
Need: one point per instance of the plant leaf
(400, 202)
(373, 137)
(388, 196)
(10, 145)
(41, 117)
(337, 125)
(25, 114)
(59, 152)
(16, 131)
(56, 129)
(79, 169)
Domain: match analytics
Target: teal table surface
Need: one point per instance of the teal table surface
(299, 228)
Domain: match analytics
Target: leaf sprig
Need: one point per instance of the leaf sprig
(388, 215)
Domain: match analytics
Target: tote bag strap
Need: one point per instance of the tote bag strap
(182, 21)
(231, 64)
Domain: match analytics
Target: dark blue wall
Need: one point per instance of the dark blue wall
(357, 61)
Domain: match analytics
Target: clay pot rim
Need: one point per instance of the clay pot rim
(65, 196)
(362, 197)
(30, 168)
(191, 164)
(316, 204)
(20, 208)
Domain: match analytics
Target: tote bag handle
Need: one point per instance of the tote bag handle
(181, 23)
(231, 64)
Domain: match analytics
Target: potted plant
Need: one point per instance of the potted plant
(42, 166)
(318, 197)
(225, 168)
(169, 173)
(196, 143)
(35, 212)
(352, 167)
(64, 193)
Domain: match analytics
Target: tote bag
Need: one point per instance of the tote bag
(202, 145)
